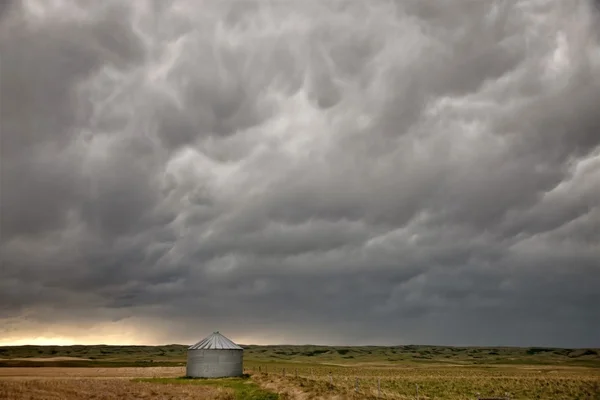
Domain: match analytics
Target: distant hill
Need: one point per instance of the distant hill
(175, 354)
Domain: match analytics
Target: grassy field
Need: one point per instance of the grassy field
(113, 389)
(303, 372)
(241, 388)
(444, 381)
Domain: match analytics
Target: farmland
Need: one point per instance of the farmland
(303, 372)
(93, 388)
(448, 381)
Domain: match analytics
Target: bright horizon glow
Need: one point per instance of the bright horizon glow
(114, 340)
(39, 341)
(243, 340)
(65, 341)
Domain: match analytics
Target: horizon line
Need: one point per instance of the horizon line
(302, 345)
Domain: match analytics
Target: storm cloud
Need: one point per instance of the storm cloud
(351, 172)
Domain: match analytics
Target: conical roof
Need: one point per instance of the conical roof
(216, 341)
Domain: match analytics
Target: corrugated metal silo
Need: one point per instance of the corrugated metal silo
(215, 357)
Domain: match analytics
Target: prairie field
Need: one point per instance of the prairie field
(301, 372)
(58, 388)
(443, 381)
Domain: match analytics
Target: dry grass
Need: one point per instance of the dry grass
(304, 389)
(50, 372)
(435, 381)
(104, 389)
(439, 382)
(47, 359)
(98, 384)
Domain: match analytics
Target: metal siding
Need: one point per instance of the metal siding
(212, 363)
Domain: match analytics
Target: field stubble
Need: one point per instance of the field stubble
(104, 388)
(437, 381)
(97, 372)
(312, 382)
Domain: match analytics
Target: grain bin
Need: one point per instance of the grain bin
(215, 357)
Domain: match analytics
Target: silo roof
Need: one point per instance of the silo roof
(216, 341)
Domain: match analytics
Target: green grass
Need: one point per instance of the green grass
(243, 388)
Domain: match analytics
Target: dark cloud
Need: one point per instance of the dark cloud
(333, 172)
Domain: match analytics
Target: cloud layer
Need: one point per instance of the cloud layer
(323, 171)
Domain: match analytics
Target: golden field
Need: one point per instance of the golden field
(94, 383)
(445, 381)
(302, 372)
(312, 382)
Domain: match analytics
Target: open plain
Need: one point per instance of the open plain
(302, 372)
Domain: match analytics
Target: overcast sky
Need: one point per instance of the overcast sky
(292, 171)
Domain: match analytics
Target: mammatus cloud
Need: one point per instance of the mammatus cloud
(322, 171)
